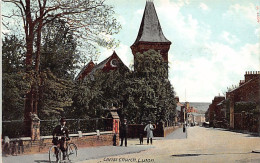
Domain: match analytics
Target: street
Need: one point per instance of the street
(201, 145)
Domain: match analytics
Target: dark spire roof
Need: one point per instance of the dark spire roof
(150, 28)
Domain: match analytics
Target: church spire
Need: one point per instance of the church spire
(150, 29)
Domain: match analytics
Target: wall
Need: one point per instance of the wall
(26, 146)
(134, 131)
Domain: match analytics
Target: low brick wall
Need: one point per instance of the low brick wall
(26, 146)
(168, 130)
(134, 130)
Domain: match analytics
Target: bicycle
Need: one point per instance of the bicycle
(70, 152)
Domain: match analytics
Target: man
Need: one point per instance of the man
(149, 128)
(60, 131)
(123, 132)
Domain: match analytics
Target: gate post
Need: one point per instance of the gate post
(35, 127)
(115, 117)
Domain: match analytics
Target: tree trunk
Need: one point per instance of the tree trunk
(29, 26)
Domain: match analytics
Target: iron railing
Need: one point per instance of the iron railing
(75, 125)
(15, 128)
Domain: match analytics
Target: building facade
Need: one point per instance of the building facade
(240, 110)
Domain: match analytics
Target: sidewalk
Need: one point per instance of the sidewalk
(91, 153)
(83, 153)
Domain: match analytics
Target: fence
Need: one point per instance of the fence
(75, 125)
(15, 128)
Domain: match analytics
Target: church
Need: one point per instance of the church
(150, 36)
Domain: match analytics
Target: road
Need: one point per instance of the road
(203, 145)
(197, 145)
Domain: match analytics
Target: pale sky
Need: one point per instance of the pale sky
(214, 42)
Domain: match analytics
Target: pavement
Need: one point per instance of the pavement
(92, 153)
(198, 144)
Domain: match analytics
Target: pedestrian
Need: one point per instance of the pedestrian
(149, 129)
(183, 128)
(114, 140)
(141, 138)
(123, 132)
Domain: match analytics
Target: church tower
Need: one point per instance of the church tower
(150, 35)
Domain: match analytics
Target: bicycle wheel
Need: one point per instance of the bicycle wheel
(72, 151)
(52, 154)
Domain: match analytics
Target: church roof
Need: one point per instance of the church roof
(86, 69)
(102, 64)
(105, 65)
(150, 29)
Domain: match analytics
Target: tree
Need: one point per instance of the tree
(13, 51)
(15, 86)
(15, 81)
(88, 98)
(55, 94)
(59, 50)
(153, 92)
(90, 20)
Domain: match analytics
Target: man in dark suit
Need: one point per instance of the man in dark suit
(123, 132)
(62, 132)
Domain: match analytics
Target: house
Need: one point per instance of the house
(240, 109)
(246, 94)
(214, 112)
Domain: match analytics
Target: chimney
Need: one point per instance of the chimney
(251, 75)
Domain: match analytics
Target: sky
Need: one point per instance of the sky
(214, 42)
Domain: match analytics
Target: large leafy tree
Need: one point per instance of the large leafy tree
(92, 21)
(150, 94)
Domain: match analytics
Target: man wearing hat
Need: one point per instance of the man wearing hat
(123, 132)
(60, 131)
(149, 129)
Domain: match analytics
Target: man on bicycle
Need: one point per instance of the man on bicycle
(62, 132)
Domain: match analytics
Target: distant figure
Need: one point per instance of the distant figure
(183, 129)
(114, 140)
(141, 138)
(149, 128)
(123, 132)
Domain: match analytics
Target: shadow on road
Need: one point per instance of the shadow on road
(40, 161)
(247, 134)
(197, 154)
